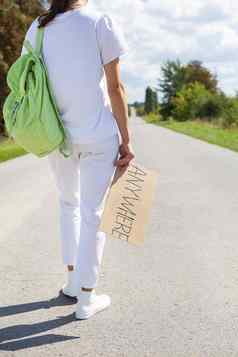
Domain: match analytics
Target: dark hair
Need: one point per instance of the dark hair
(56, 7)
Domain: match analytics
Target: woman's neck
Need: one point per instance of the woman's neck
(77, 5)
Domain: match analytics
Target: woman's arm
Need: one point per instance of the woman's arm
(119, 105)
(116, 93)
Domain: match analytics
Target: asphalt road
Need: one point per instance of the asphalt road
(175, 296)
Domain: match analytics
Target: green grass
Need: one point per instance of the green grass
(211, 133)
(9, 149)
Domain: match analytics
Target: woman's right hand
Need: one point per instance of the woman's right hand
(126, 155)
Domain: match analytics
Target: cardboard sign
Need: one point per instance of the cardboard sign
(128, 203)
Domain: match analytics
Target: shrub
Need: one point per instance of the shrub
(195, 101)
(213, 107)
(230, 113)
(152, 118)
(189, 101)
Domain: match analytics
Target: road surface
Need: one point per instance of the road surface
(175, 296)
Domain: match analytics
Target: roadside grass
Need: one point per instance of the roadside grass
(227, 138)
(9, 149)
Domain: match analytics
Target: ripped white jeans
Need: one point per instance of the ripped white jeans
(83, 182)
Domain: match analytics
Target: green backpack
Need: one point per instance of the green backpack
(30, 111)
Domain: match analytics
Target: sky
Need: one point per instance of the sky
(161, 30)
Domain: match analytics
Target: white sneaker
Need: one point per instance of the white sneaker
(71, 287)
(89, 304)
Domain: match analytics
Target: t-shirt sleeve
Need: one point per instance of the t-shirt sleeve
(111, 39)
(30, 36)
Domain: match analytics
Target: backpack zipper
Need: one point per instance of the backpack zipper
(14, 110)
(14, 114)
(15, 107)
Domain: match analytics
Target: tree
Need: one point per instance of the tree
(196, 72)
(155, 101)
(176, 76)
(151, 101)
(149, 98)
(172, 79)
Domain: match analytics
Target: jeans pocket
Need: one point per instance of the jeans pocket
(108, 150)
(103, 149)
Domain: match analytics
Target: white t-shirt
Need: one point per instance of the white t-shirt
(76, 45)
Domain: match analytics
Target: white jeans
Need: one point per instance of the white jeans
(83, 182)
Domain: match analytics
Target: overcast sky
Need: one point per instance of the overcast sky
(157, 30)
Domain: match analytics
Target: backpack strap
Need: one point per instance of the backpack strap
(65, 147)
(28, 46)
(39, 40)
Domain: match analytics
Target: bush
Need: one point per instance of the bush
(188, 102)
(213, 107)
(152, 118)
(195, 101)
(230, 113)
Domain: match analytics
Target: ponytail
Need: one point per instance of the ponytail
(57, 7)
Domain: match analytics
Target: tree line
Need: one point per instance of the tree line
(188, 92)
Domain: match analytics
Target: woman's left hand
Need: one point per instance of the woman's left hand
(126, 155)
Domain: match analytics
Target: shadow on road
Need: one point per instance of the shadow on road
(59, 300)
(34, 342)
(19, 332)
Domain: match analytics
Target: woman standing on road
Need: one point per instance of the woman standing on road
(81, 50)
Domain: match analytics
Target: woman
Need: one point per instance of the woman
(81, 49)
